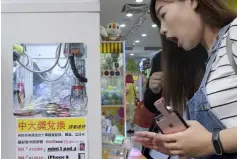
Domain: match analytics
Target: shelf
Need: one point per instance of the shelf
(110, 53)
(112, 47)
(111, 145)
(112, 106)
(111, 77)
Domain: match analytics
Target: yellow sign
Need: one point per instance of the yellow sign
(111, 47)
(51, 125)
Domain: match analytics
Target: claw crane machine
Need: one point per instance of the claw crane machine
(51, 79)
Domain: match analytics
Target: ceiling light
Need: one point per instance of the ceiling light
(137, 41)
(131, 54)
(139, 1)
(122, 25)
(143, 35)
(154, 25)
(129, 15)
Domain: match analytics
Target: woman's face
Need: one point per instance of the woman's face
(180, 22)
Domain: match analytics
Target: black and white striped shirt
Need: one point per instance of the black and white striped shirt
(221, 86)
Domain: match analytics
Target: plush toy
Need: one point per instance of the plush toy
(103, 33)
(114, 31)
(115, 130)
(103, 120)
(19, 49)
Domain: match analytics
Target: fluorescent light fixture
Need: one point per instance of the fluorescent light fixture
(129, 15)
(131, 54)
(122, 25)
(139, 1)
(154, 25)
(143, 35)
(137, 41)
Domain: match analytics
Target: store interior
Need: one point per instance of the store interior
(50, 80)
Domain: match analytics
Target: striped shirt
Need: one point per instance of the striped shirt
(221, 86)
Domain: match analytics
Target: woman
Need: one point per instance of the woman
(130, 99)
(214, 105)
(151, 94)
(153, 86)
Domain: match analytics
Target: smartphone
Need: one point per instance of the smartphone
(168, 121)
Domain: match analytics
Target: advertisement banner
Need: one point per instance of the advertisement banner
(51, 138)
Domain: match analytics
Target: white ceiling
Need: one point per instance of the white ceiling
(111, 12)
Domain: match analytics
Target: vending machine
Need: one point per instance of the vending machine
(51, 100)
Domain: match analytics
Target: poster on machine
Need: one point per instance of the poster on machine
(51, 138)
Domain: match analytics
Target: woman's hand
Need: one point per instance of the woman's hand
(196, 141)
(150, 140)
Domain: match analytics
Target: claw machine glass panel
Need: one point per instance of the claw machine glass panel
(112, 97)
(49, 80)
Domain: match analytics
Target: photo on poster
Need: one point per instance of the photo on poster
(81, 156)
(82, 146)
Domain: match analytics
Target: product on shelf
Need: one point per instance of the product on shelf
(111, 96)
(113, 30)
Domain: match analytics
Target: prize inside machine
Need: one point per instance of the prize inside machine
(49, 80)
(112, 99)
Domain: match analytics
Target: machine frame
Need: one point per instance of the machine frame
(51, 21)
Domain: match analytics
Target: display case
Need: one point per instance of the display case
(49, 49)
(112, 94)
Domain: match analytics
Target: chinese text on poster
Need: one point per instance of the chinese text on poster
(51, 138)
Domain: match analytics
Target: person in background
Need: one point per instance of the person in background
(130, 101)
(154, 84)
(212, 109)
(152, 93)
